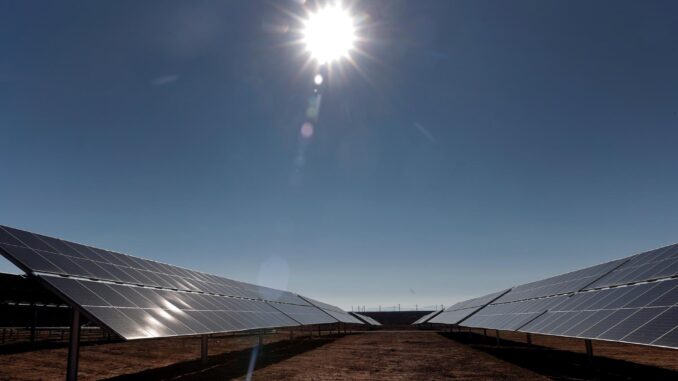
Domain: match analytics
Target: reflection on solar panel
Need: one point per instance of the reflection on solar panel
(642, 313)
(139, 298)
(140, 312)
(366, 319)
(641, 307)
(334, 311)
(456, 313)
(427, 317)
(655, 264)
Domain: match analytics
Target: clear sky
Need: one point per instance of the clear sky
(482, 144)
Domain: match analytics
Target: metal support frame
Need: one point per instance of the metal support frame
(261, 344)
(484, 333)
(34, 324)
(589, 350)
(73, 347)
(204, 348)
(319, 334)
(529, 339)
(496, 333)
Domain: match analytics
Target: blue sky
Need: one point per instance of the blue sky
(482, 144)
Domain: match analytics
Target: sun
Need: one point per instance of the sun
(329, 34)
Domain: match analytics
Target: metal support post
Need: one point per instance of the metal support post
(485, 333)
(319, 334)
(529, 339)
(496, 332)
(34, 323)
(589, 351)
(204, 348)
(261, 344)
(291, 333)
(73, 348)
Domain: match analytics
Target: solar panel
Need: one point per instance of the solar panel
(139, 298)
(366, 319)
(38, 253)
(457, 312)
(334, 311)
(643, 313)
(512, 315)
(306, 315)
(135, 312)
(427, 317)
(633, 300)
(654, 264)
(560, 284)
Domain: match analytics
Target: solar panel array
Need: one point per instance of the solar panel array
(139, 298)
(456, 313)
(366, 319)
(632, 300)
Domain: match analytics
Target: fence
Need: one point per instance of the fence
(398, 308)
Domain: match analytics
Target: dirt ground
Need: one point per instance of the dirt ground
(375, 355)
(384, 355)
(653, 356)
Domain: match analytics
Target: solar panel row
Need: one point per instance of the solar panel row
(138, 312)
(633, 300)
(139, 298)
(644, 313)
(38, 253)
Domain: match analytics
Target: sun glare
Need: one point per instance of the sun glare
(329, 34)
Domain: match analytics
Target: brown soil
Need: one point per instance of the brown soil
(385, 355)
(375, 355)
(653, 356)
